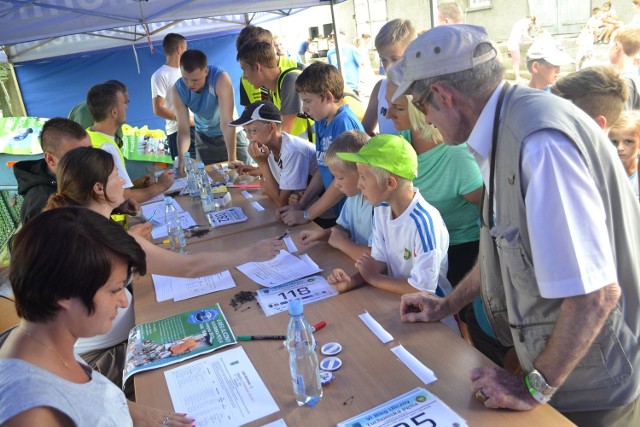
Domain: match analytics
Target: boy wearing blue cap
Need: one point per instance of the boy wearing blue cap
(410, 240)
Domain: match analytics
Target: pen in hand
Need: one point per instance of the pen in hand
(153, 215)
(283, 235)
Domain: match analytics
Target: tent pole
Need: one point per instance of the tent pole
(433, 12)
(335, 37)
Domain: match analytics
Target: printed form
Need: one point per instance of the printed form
(220, 390)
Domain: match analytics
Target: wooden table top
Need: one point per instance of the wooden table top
(371, 374)
(255, 218)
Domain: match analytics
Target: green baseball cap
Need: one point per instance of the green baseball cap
(392, 153)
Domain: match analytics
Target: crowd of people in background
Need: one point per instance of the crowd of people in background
(513, 206)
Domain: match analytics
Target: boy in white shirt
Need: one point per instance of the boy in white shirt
(352, 232)
(410, 240)
(285, 162)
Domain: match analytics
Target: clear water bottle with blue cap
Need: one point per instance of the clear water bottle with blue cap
(206, 193)
(174, 227)
(303, 360)
(192, 182)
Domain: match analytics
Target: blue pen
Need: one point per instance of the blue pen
(153, 215)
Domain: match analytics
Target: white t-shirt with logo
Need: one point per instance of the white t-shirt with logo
(414, 245)
(297, 162)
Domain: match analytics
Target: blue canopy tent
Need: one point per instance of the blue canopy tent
(60, 48)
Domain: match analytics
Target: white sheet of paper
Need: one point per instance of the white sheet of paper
(376, 327)
(149, 208)
(156, 199)
(178, 185)
(416, 366)
(160, 226)
(246, 194)
(163, 288)
(276, 423)
(182, 288)
(291, 247)
(257, 206)
(281, 269)
(220, 390)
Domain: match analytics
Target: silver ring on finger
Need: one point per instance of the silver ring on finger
(165, 421)
(481, 396)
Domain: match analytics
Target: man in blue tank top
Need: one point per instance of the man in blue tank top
(206, 90)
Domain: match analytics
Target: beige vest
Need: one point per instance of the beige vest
(609, 374)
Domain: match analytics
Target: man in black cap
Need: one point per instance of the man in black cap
(285, 162)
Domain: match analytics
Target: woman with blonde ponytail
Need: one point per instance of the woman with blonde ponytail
(448, 178)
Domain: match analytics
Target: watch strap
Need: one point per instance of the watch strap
(538, 396)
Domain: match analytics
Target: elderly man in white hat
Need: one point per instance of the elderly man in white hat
(544, 60)
(558, 268)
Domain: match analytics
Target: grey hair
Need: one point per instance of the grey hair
(475, 82)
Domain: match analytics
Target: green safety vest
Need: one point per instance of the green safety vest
(98, 139)
(286, 65)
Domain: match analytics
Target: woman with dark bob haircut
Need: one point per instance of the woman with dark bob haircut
(69, 269)
(88, 177)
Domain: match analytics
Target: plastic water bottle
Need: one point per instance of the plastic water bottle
(174, 227)
(303, 360)
(192, 182)
(206, 193)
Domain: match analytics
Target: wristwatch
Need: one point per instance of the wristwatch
(538, 387)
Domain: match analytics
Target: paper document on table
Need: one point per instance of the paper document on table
(417, 367)
(163, 288)
(159, 222)
(178, 185)
(149, 208)
(277, 423)
(158, 198)
(181, 288)
(160, 226)
(376, 328)
(221, 390)
(291, 247)
(310, 289)
(281, 269)
(417, 407)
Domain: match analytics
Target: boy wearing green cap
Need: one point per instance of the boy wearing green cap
(410, 240)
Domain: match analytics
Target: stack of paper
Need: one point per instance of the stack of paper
(281, 269)
(180, 288)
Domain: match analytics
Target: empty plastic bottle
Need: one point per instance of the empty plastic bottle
(303, 360)
(192, 182)
(174, 227)
(206, 193)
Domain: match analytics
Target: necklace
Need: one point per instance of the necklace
(48, 347)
